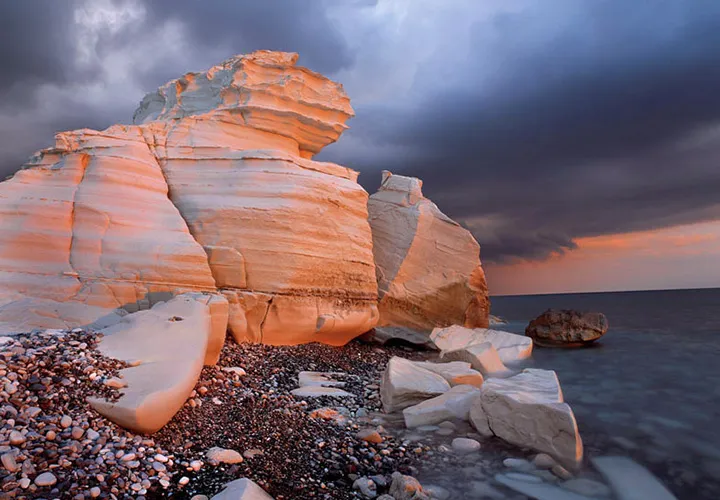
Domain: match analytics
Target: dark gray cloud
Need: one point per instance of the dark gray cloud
(545, 121)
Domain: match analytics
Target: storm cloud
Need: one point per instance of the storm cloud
(533, 123)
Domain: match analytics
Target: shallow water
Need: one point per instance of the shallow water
(650, 388)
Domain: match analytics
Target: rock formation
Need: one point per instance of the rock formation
(567, 328)
(510, 347)
(213, 188)
(428, 266)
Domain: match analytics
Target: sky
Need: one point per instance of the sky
(579, 141)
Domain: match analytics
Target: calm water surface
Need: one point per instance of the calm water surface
(650, 388)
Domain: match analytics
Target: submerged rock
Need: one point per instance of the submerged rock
(428, 266)
(567, 328)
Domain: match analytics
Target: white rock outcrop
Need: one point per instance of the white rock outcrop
(510, 347)
(212, 189)
(455, 403)
(455, 372)
(167, 347)
(428, 266)
(406, 384)
(528, 410)
(482, 357)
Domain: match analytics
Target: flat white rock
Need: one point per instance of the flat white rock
(630, 480)
(482, 357)
(510, 347)
(406, 384)
(324, 379)
(455, 372)
(242, 489)
(318, 391)
(455, 403)
(528, 410)
(537, 490)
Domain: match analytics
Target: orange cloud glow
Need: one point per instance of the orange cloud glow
(679, 257)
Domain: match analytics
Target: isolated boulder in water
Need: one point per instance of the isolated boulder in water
(567, 328)
(509, 346)
(528, 410)
(212, 189)
(406, 384)
(428, 266)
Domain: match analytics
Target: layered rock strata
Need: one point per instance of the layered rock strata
(213, 188)
(428, 266)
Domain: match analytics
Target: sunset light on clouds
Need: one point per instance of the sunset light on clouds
(678, 257)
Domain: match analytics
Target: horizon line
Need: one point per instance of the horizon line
(607, 291)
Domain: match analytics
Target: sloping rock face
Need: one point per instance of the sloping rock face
(567, 328)
(428, 266)
(212, 189)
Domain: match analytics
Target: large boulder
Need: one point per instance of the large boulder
(428, 266)
(406, 384)
(166, 347)
(455, 403)
(528, 410)
(511, 348)
(212, 189)
(567, 328)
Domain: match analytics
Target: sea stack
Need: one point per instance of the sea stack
(212, 189)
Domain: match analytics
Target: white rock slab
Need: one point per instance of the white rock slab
(169, 343)
(318, 391)
(455, 372)
(242, 489)
(482, 357)
(323, 379)
(537, 490)
(406, 384)
(528, 410)
(630, 480)
(455, 403)
(510, 347)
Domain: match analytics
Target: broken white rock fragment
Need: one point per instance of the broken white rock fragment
(167, 347)
(528, 410)
(319, 384)
(630, 480)
(510, 347)
(406, 384)
(455, 372)
(455, 403)
(482, 357)
(242, 489)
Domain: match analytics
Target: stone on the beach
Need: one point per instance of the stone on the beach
(455, 372)
(567, 328)
(242, 489)
(510, 347)
(518, 464)
(428, 266)
(465, 445)
(319, 391)
(212, 189)
(324, 379)
(455, 403)
(537, 489)
(168, 344)
(45, 479)
(9, 461)
(544, 461)
(369, 435)
(223, 456)
(482, 357)
(407, 488)
(630, 480)
(5, 340)
(16, 438)
(528, 410)
(366, 487)
(406, 384)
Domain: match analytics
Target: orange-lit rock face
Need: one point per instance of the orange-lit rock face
(428, 266)
(213, 188)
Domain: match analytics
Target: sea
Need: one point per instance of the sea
(650, 387)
